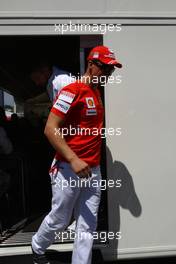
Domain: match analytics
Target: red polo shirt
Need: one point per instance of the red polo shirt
(82, 109)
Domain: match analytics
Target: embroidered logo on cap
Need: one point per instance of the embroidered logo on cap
(96, 55)
(110, 55)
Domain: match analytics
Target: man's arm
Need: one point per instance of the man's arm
(54, 123)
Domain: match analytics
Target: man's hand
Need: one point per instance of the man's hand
(80, 167)
(58, 142)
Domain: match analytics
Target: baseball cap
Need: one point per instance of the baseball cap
(105, 55)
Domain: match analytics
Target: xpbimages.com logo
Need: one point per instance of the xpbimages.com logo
(82, 27)
(86, 131)
(102, 80)
(101, 184)
(102, 236)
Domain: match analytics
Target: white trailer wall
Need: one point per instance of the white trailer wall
(91, 8)
(143, 105)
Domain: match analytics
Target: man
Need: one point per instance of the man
(51, 77)
(5, 143)
(78, 106)
(6, 146)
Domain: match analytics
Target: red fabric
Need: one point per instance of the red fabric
(87, 147)
(105, 55)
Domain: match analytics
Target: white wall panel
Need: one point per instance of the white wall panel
(82, 8)
(143, 105)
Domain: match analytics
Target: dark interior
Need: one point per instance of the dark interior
(29, 194)
(19, 55)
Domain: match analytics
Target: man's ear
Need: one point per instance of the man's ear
(90, 63)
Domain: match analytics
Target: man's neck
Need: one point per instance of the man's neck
(86, 79)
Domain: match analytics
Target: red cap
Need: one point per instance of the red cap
(105, 55)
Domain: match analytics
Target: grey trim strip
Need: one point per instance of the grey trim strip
(90, 18)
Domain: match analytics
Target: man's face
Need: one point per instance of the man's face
(99, 69)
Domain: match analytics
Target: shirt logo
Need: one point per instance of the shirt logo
(66, 96)
(91, 112)
(90, 102)
(61, 106)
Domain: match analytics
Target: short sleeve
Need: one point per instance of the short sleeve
(61, 81)
(66, 99)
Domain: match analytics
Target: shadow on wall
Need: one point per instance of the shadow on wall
(124, 197)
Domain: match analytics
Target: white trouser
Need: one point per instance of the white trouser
(70, 192)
